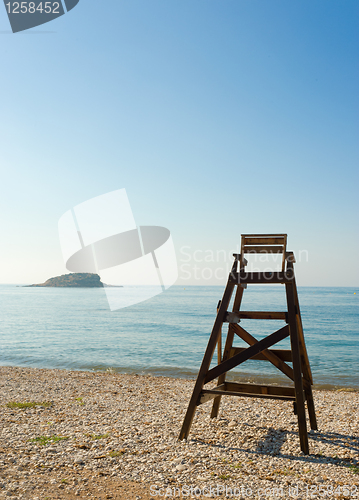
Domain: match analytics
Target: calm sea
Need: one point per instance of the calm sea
(167, 335)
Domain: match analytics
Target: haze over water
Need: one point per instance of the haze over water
(167, 335)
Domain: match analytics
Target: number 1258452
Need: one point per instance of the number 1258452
(314, 491)
(32, 7)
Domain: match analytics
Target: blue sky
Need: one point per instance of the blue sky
(218, 117)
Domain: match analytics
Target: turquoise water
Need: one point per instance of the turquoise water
(167, 335)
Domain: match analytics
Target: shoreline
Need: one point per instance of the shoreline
(109, 435)
(176, 373)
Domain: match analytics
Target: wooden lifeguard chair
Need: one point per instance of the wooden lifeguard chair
(299, 373)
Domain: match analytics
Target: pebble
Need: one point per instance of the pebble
(127, 427)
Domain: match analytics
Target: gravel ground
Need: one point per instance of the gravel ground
(106, 435)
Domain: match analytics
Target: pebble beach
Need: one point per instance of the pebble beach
(75, 434)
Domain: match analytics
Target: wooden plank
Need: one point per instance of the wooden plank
(282, 354)
(251, 351)
(297, 369)
(207, 358)
(227, 348)
(215, 392)
(306, 365)
(234, 269)
(281, 235)
(307, 374)
(263, 249)
(274, 390)
(262, 315)
(219, 345)
(264, 241)
(235, 317)
(270, 277)
(237, 300)
(284, 253)
(221, 379)
(311, 410)
(206, 396)
(275, 360)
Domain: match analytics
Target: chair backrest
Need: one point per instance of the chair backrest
(262, 244)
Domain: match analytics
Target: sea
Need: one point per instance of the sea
(74, 329)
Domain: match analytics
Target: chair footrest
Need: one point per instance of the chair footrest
(248, 390)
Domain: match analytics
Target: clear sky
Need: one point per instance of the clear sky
(219, 117)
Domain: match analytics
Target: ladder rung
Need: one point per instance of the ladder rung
(235, 317)
(262, 315)
(206, 395)
(262, 277)
(283, 354)
(273, 390)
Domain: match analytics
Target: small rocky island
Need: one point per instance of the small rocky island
(74, 280)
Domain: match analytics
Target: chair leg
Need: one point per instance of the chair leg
(311, 409)
(186, 426)
(222, 378)
(227, 351)
(298, 385)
